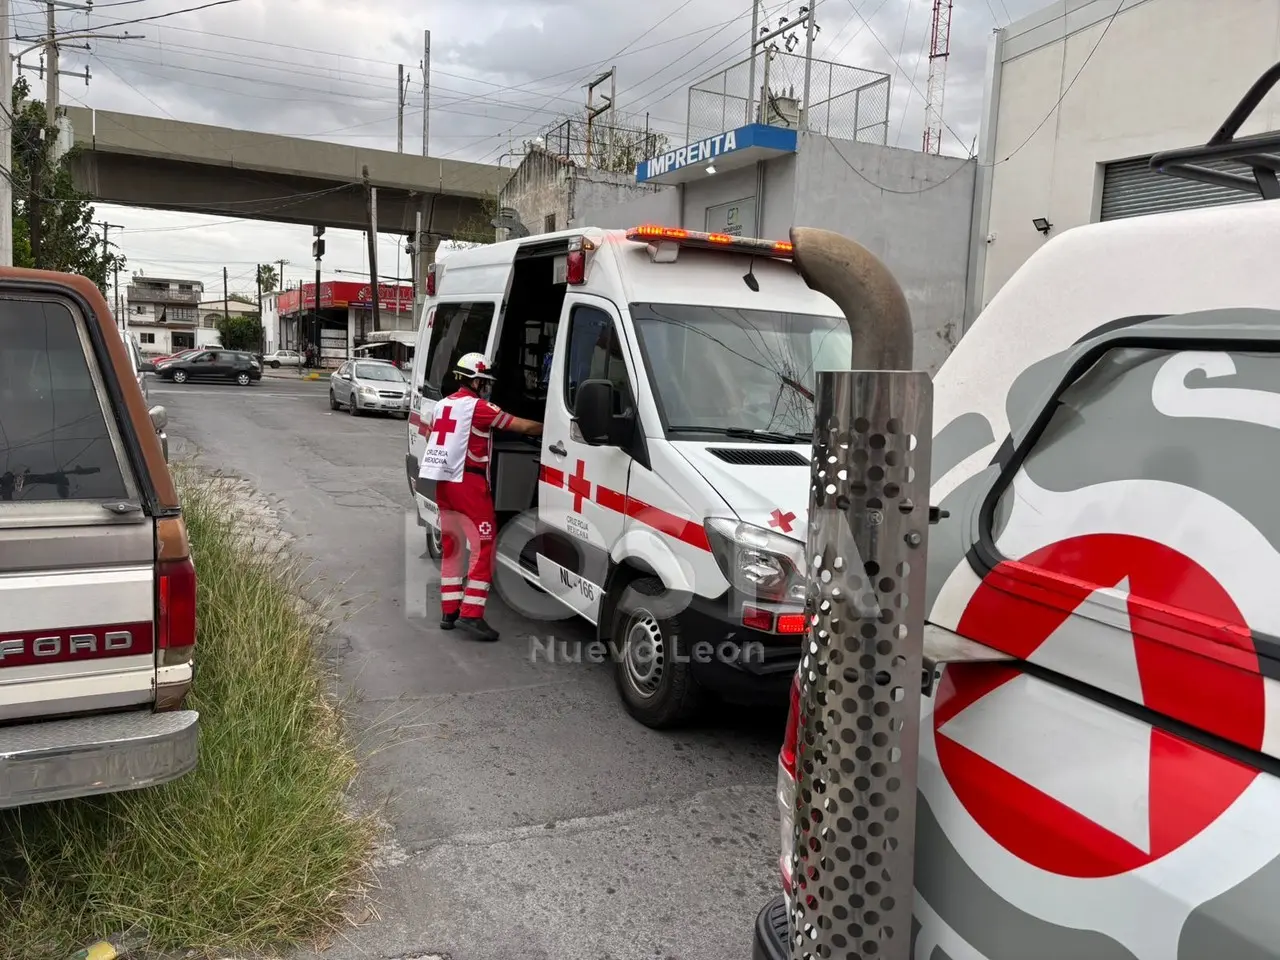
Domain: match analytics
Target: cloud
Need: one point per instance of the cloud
(502, 71)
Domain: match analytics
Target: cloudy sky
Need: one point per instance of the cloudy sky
(502, 71)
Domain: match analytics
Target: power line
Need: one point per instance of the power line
(154, 16)
(607, 59)
(1102, 36)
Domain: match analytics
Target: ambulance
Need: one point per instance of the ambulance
(665, 501)
(1099, 755)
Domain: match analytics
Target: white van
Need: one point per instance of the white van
(666, 499)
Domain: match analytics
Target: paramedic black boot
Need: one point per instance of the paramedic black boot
(448, 620)
(476, 629)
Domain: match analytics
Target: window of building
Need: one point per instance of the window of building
(147, 337)
(595, 353)
(549, 223)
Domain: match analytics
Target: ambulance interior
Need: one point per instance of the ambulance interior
(526, 340)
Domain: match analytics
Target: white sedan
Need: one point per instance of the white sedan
(282, 358)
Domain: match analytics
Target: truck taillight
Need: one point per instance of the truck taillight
(176, 610)
(432, 272)
(788, 765)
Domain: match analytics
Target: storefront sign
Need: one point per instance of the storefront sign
(736, 219)
(728, 150)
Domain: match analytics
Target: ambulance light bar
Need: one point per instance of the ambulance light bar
(650, 233)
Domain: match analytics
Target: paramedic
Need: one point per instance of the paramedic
(459, 446)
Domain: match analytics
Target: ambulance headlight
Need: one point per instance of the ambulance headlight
(758, 562)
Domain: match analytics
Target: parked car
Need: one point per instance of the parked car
(369, 385)
(180, 355)
(213, 365)
(282, 358)
(97, 586)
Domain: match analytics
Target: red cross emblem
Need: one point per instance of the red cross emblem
(579, 486)
(781, 520)
(481, 367)
(443, 425)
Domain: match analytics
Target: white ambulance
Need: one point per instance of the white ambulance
(666, 500)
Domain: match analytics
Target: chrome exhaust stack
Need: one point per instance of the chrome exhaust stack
(853, 856)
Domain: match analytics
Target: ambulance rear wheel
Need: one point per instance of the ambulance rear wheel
(652, 670)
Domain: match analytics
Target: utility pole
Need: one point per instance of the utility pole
(106, 252)
(593, 111)
(400, 92)
(262, 338)
(426, 90)
(764, 40)
(6, 141)
(371, 207)
(120, 319)
(226, 308)
(416, 267)
(810, 34)
(51, 65)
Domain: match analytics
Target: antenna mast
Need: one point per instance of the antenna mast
(939, 53)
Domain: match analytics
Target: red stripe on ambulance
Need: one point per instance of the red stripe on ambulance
(661, 520)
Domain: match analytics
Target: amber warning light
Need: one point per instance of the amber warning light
(710, 241)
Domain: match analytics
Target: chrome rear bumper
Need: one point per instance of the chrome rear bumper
(61, 759)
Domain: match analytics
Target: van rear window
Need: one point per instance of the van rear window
(54, 441)
(458, 328)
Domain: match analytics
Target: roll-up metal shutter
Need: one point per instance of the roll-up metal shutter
(1130, 188)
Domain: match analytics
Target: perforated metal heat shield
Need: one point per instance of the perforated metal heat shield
(860, 674)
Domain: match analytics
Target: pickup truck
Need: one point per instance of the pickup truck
(97, 584)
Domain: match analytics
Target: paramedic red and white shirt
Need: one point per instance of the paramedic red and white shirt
(460, 436)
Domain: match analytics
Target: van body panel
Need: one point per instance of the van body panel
(1110, 452)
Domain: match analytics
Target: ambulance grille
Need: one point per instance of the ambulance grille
(757, 457)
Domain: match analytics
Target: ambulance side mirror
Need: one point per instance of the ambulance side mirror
(593, 411)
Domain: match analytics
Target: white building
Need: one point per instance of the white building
(212, 311)
(1165, 75)
(163, 313)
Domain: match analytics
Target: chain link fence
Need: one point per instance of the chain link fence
(602, 145)
(846, 103)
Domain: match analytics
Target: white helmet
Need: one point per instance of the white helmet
(473, 366)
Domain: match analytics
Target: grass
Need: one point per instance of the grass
(254, 849)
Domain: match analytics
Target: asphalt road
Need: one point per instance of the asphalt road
(530, 816)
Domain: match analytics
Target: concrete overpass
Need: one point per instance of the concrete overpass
(196, 168)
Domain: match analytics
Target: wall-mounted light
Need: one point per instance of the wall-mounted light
(1041, 224)
(711, 168)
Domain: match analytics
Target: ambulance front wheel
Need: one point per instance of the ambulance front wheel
(652, 669)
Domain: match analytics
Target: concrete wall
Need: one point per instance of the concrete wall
(662, 206)
(742, 184)
(1166, 75)
(537, 189)
(545, 185)
(918, 224)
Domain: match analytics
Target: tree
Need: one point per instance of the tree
(478, 229)
(53, 226)
(268, 277)
(243, 298)
(630, 146)
(239, 333)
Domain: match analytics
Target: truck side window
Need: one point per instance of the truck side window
(54, 440)
(458, 328)
(595, 353)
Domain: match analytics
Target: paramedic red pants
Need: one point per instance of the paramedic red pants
(466, 515)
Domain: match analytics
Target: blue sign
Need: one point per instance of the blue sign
(758, 139)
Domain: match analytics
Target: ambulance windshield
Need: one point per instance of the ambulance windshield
(719, 370)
